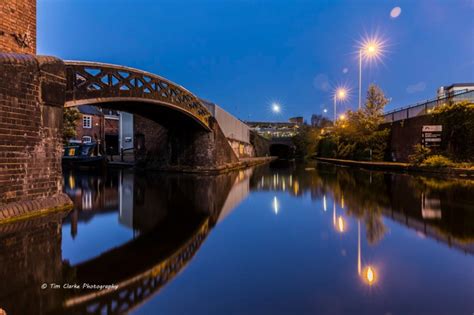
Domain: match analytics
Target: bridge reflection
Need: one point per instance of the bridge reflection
(171, 216)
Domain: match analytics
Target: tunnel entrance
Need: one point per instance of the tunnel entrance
(282, 151)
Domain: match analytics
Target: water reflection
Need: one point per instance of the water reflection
(139, 230)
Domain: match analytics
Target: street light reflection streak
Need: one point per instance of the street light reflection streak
(276, 206)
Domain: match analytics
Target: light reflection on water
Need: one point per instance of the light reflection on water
(279, 239)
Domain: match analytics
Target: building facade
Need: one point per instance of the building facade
(453, 89)
(89, 126)
(236, 131)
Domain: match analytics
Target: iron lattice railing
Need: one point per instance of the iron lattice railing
(426, 107)
(93, 83)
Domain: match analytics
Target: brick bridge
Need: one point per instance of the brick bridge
(35, 89)
(33, 92)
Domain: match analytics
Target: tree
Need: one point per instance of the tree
(70, 117)
(357, 135)
(306, 141)
(320, 122)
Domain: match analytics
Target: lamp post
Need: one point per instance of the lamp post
(370, 49)
(339, 94)
(276, 108)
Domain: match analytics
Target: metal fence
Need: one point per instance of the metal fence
(424, 108)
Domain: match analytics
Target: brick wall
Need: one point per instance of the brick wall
(95, 132)
(404, 135)
(18, 26)
(111, 126)
(31, 109)
(30, 255)
(181, 146)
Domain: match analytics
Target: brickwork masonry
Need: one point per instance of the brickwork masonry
(32, 90)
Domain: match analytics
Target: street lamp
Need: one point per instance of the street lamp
(339, 94)
(371, 48)
(276, 108)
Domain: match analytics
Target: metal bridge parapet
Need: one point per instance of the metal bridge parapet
(91, 82)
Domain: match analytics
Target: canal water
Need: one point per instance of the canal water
(282, 238)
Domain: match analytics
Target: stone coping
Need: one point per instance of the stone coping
(242, 163)
(20, 210)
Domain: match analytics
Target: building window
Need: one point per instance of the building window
(87, 139)
(87, 121)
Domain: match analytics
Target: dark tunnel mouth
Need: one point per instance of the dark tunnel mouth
(282, 151)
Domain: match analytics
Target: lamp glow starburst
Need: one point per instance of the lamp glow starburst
(372, 49)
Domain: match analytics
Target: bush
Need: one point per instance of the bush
(420, 154)
(437, 161)
(327, 147)
(458, 129)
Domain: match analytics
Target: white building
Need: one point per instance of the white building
(450, 90)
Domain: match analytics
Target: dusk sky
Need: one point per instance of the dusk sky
(243, 55)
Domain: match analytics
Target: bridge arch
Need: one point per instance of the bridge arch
(192, 139)
(120, 87)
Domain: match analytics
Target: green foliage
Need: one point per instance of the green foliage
(458, 129)
(420, 153)
(437, 161)
(306, 141)
(327, 147)
(358, 136)
(70, 116)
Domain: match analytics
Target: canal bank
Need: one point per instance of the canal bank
(402, 167)
(228, 167)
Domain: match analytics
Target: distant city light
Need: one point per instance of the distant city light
(342, 117)
(325, 110)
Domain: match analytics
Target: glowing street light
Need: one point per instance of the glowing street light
(276, 108)
(370, 48)
(340, 94)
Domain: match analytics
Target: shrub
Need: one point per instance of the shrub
(420, 154)
(437, 161)
(327, 147)
(458, 129)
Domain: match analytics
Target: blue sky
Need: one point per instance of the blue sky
(245, 54)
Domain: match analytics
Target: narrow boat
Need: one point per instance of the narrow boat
(83, 155)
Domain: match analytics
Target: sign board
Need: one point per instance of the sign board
(431, 135)
(432, 128)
